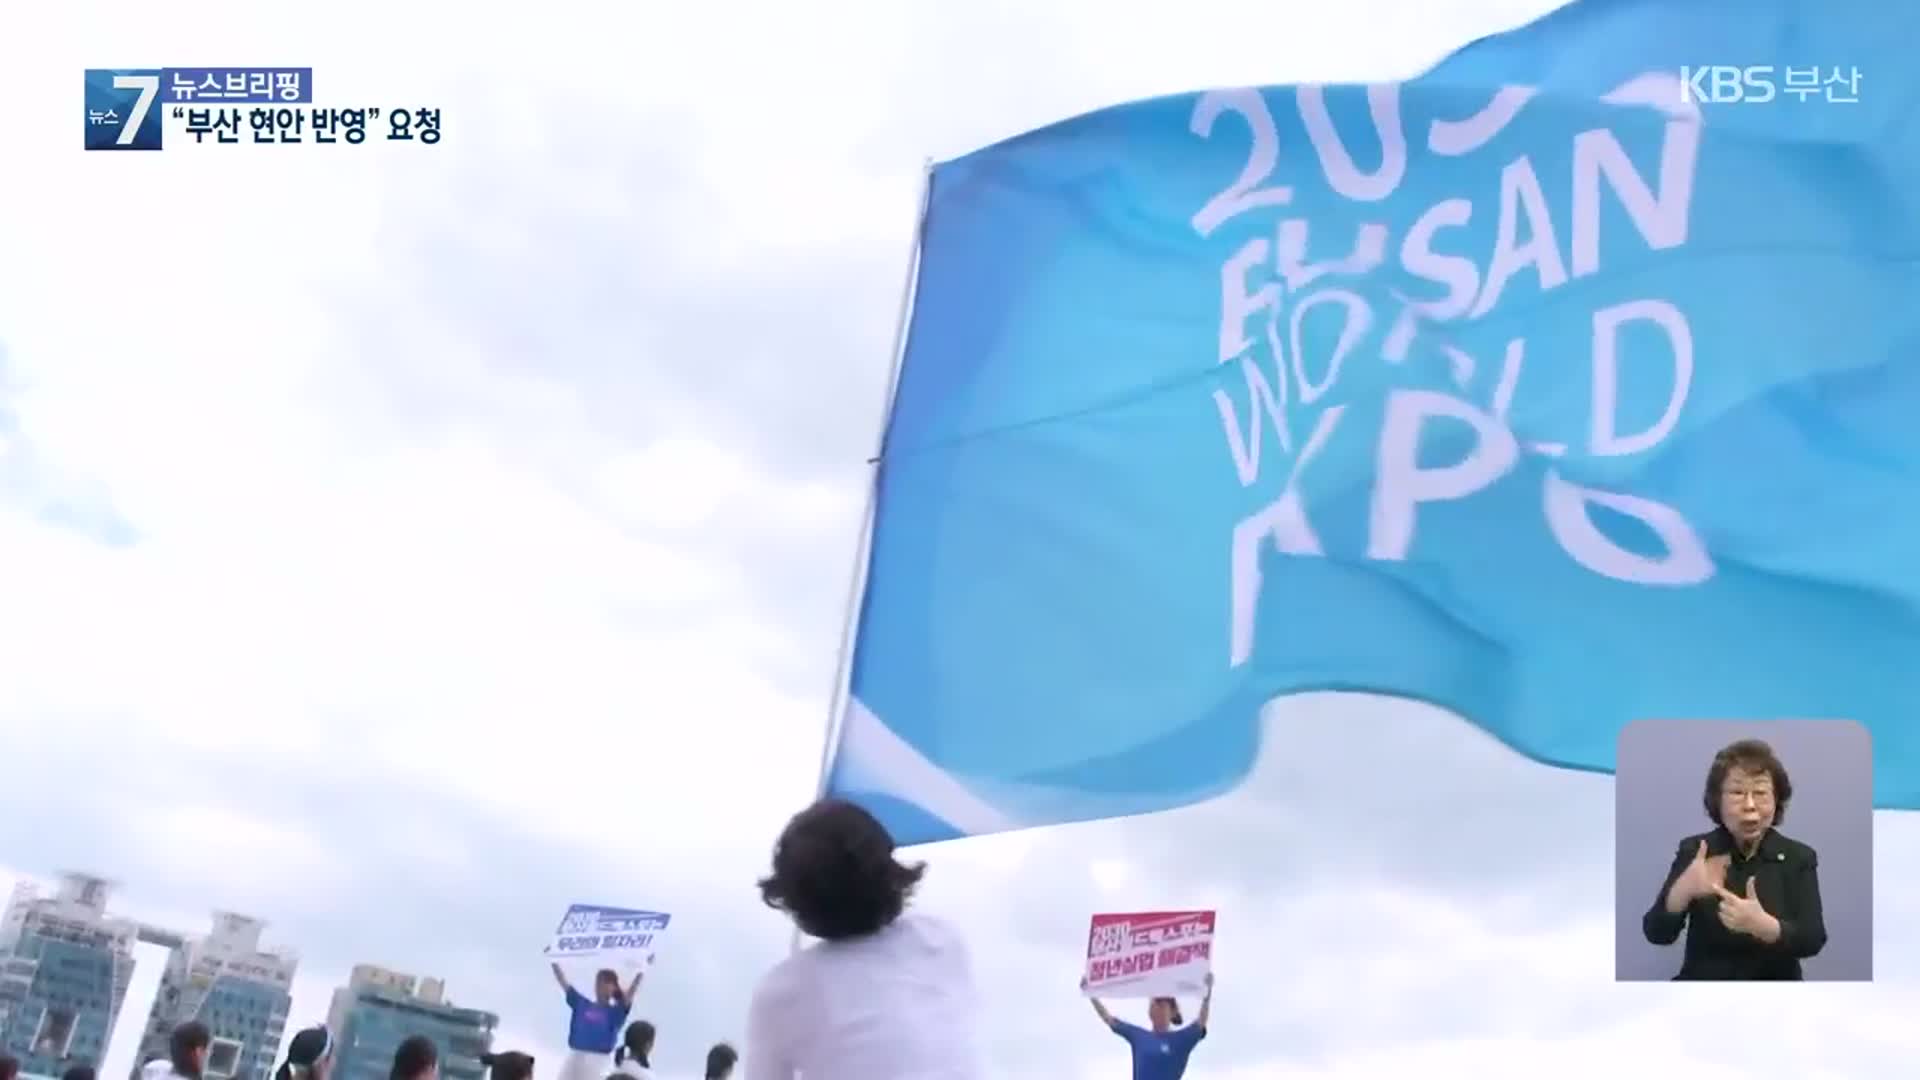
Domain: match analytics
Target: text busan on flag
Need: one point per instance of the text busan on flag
(1197, 409)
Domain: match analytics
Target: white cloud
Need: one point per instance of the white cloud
(493, 505)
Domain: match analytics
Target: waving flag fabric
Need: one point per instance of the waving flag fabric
(1571, 383)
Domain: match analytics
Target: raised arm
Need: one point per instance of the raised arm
(1099, 1007)
(633, 988)
(1206, 1006)
(560, 977)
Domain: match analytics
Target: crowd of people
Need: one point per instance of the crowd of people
(884, 993)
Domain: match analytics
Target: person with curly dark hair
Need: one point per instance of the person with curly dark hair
(1746, 895)
(884, 992)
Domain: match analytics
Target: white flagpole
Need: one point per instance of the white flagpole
(857, 585)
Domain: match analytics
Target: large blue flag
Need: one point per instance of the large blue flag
(1572, 383)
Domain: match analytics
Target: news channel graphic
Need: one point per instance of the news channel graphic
(130, 109)
(1757, 84)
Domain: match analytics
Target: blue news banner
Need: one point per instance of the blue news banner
(127, 109)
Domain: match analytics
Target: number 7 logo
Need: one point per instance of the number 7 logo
(120, 109)
(149, 88)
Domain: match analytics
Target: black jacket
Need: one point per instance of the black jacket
(1787, 881)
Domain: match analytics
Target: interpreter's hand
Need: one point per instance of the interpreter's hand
(1702, 877)
(1744, 915)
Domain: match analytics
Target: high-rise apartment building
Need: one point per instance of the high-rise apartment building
(378, 1008)
(64, 968)
(235, 986)
(65, 964)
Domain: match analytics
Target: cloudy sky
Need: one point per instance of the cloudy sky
(400, 542)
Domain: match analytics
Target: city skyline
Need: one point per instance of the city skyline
(226, 978)
(67, 961)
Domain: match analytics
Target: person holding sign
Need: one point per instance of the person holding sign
(595, 1026)
(1161, 1051)
(1747, 897)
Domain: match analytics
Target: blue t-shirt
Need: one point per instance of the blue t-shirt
(1157, 1056)
(596, 1027)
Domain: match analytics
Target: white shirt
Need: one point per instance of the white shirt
(633, 1069)
(899, 1005)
